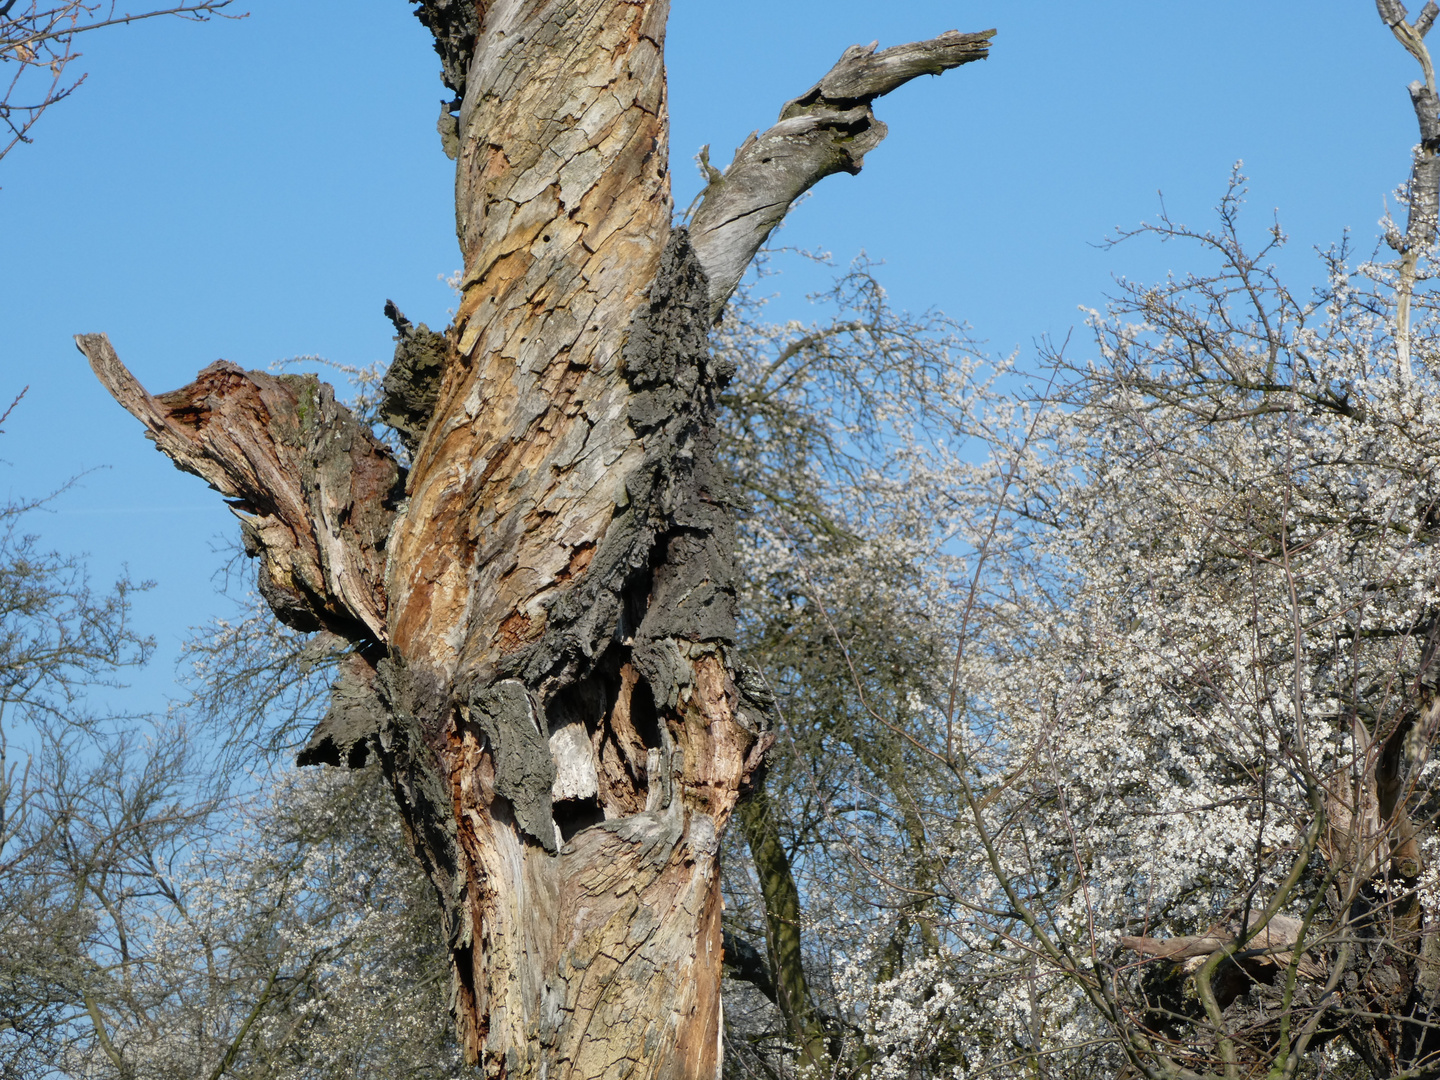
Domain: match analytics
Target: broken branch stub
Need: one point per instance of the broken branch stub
(548, 673)
(314, 490)
(828, 129)
(412, 382)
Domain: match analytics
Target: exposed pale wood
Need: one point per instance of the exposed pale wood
(566, 478)
(562, 209)
(314, 489)
(546, 671)
(1423, 191)
(828, 129)
(1272, 946)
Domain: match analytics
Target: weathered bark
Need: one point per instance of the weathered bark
(413, 380)
(828, 129)
(314, 490)
(543, 655)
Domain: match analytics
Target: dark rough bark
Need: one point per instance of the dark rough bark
(544, 624)
(412, 382)
(455, 25)
(745, 962)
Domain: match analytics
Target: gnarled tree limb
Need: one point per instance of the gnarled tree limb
(828, 129)
(314, 490)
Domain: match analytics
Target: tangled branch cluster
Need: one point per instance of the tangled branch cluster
(37, 43)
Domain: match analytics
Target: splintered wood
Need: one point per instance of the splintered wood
(543, 606)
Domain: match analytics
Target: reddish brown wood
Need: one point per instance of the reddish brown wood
(544, 624)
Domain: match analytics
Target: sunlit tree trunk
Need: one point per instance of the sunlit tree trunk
(542, 608)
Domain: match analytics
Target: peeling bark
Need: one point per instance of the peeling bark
(632, 650)
(544, 624)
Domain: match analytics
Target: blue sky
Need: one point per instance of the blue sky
(257, 189)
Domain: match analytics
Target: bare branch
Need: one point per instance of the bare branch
(1392, 11)
(1270, 946)
(1424, 190)
(1426, 18)
(39, 41)
(828, 129)
(11, 407)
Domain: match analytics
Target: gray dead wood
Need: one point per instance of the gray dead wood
(1424, 190)
(1273, 945)
(828, 129)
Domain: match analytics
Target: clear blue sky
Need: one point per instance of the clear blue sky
(255, 190)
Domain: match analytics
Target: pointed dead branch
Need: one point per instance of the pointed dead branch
(828, 129)
(1424, 188)
(314, 490)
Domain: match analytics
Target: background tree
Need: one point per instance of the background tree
(155, 922)
(1193, 765)
(1189, 734)
(837, 436)
(57, 637)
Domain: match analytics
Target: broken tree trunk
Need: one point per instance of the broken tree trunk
(542, 615)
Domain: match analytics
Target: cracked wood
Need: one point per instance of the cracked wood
(544, 625)
(314, 490)
(828, 129)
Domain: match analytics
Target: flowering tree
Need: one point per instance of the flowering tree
(1190, 728)
(1180, 815)
(838, 435)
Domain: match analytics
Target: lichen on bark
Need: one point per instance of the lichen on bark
(543, 625)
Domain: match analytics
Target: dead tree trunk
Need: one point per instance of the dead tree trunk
(542, 608)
